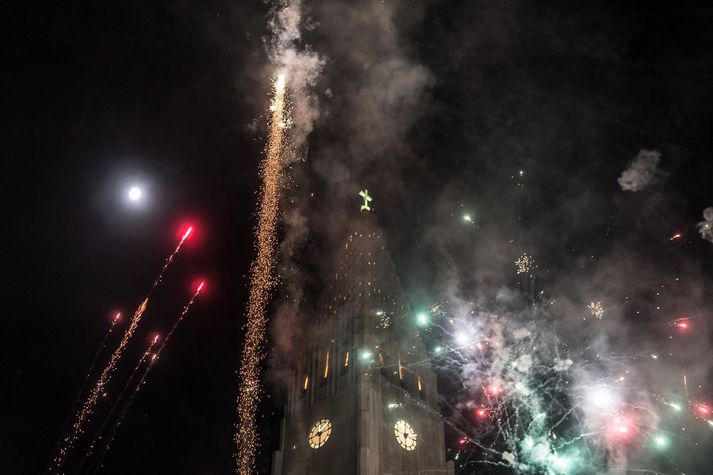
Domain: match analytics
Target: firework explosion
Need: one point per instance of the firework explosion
(596, 309)
(524, 264)
(98, 390)
(528, 401)
(520, 409)
(261, 283)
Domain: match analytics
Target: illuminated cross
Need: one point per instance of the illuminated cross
(365, 194)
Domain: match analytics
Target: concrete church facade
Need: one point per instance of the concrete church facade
(364, 398)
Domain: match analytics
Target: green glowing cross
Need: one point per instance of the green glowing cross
(365, 194)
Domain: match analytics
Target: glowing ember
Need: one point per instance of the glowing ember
(682, 323)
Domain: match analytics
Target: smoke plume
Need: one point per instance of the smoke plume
(534, 344)
(705, 227)
(374, 91)
(641, 171)
(301, 65)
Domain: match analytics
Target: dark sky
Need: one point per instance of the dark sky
(97, 95)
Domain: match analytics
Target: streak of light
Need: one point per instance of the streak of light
(99, 388)
(262, 282)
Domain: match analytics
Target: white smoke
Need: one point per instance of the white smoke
(562, 364)
(641, 171)
(298, 62)
(302, 67)
(705, 227)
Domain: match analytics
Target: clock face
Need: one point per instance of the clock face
(320, 432)
(405, 435)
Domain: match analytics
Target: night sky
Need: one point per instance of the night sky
(434, 106)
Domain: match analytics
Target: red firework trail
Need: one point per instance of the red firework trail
(88, 407)
(130, 399)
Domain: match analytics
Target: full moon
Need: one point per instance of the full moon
(135, 193)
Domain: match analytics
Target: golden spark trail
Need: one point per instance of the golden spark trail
(151, 361)
(134, 372)
(88, 408)
(261, 284)
(114, 321)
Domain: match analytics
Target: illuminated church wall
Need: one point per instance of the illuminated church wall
(364, 369)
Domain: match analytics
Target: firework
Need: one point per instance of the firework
(685, 386)
(602, 399)
(596, 309)
(261, 284)
(99, 435)
(521, 409)
(702, 409)
(151, 359)
(661, 441)
(92, 366)
(524, 264)
(87, 408)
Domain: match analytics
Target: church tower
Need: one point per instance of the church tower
(364, 398)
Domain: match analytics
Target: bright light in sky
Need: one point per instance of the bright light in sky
(280, 83)
(602, 397)
(135, 193)
(462, 337)
(422, 319)
(661, 441)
